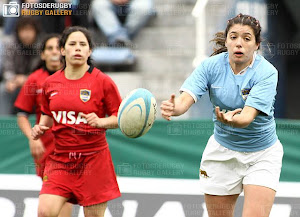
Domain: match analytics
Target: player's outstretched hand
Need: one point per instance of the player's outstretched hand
(36, 148)
(226, 118)
(167, 108)
(37, 131)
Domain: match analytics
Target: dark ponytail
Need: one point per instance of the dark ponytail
(219, 41)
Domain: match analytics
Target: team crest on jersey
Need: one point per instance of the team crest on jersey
(245, 92)
(85, 95)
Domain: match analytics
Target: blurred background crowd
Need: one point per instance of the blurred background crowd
(153, 44)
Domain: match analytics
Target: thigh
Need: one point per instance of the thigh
(220, 170)
(97, 181)
(265, 168)
(50, 205)
(66, 210)
(220, 206)
(258, 201)
(97, 210)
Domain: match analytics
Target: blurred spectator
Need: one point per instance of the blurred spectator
(10, 22)
(120, 20)
(20, 58)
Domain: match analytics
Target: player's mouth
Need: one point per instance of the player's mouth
(77, 56)
(238, 54)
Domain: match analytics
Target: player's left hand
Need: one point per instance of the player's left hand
(226, 118)
(92, 119)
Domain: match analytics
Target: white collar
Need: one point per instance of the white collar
(245, 69)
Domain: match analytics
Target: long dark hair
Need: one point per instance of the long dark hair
(68, 32)
(220, 37)
(46, 38)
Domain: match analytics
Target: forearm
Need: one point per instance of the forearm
(240, 121)
(110, 122)
(46, 120)
(180, 108)
(182, 104)
(24, 125)
(245, 117)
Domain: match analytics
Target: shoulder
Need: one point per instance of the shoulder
(54, 77)
(213, 65)
(99, 75)
(35, 76)
(37, 73)
(263, 67)
(214, 61)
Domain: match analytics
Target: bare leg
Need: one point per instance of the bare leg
(66, 210)
(220, 206)
(258, 201)
(97, 210)
(50, 205)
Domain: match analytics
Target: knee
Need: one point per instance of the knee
(46, 212)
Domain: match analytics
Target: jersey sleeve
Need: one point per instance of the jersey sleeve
(45, 101)
(26, 99)
(197, 83)
(112, 97)
(262, 94)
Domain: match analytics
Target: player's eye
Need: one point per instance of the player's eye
(248, 39)
(233, 37)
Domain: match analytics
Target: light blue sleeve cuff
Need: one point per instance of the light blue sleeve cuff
(189, 92)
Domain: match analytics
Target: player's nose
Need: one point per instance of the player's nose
(239, 42)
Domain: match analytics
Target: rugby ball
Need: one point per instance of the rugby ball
(137, 113)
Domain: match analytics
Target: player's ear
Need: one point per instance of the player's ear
(225, 42)
(257, 46)
(90, 52)
(62, 51)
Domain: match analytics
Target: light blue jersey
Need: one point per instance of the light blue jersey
(256, 88)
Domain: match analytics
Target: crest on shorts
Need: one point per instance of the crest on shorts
(85, 95)
(45, 178)
(203, 173)
(245, 92)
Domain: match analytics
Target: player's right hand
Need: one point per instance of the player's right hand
(36, 148)
(37, 131)
(167, 108)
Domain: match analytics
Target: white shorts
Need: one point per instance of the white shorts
(224, 171)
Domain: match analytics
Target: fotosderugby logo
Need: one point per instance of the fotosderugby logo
(11, 9)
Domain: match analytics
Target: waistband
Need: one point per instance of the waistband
(77, 155)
